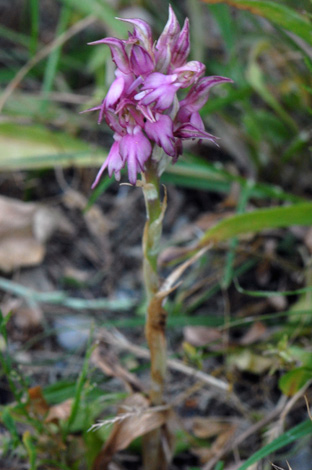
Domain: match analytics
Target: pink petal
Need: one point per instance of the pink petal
(114, 163)
(118, 52)
(171, 31)
(135, 149)
(115, 92)
(142, 30)
(199, 94)
(161, 131)
(141, 61)
(182, 47)
(188, 131)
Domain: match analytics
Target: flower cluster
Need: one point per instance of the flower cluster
(142, 107)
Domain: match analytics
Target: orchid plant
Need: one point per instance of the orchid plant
(150, 123)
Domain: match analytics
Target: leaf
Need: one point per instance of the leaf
(59, 412)
(201, 335)
(248, 361)
(278, 14)
(109, 364)
(298, 432)
(256, 79)
(103, 11)
(4, 319)
(37, 404)
(24, 227)
(272, 293)
(256, 221)
(134, 419)
(294, 380)
(197, 173)
(29, 147)
(80, 384)
(61, 298)
(255, 333)
(9, 423)
(31, 450)
(206, 428)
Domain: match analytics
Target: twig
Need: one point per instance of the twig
(118, 340)
(44, 52)
(243, 436)
(291, 403)
(308, 408)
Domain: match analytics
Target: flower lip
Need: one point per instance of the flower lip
(113, 162)
(135, 149)
(161, 131)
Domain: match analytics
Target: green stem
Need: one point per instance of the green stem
(153, 455)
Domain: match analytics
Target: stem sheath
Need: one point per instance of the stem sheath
(153, 454)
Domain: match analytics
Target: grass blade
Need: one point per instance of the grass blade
(34, 14)
(285, 439)
(54, 57)
(278, 14)
(278, 217)
(103, 12)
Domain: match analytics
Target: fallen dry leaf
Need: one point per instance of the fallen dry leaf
(134, 419)
(24, 228)
(28, 318)
(37, 404)
(225, 435)
(205, 428)
(210, 219)
(60, 411)
(172, 253)
(98, 224)
(308, 239)
(103, 358)
(169, 284)
(201, 335)
(255, 333)
(279, 302)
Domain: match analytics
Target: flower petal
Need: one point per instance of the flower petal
(199, 93)
(161, 131)
(182, 46)
(188, 131)
(118, 52)
(159, 89)
(115, 92)
(135, 149)
(114, 163)
(140, 60)
(170, 32)
(189, 73)
(142, 31)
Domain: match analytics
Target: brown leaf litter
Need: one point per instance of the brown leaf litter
(24, 229)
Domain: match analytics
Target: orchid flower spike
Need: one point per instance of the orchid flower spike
(142, 105)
